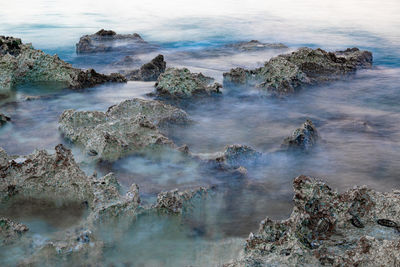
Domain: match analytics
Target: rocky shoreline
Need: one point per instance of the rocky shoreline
(359, 227)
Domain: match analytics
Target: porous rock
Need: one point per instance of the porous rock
(287, 73)
(355, 228)
(181, 83)
(303, 138)
(21, 63)
(149, 71)
(126, 128)
(10, 231)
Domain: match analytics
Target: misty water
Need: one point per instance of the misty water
(358, 119)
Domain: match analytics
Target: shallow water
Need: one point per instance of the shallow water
(358, 119)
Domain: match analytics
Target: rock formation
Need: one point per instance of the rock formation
(255, 45)
(181, 83)
(287, 73)
(21, 63)
(107, 41)
(355, 228)
(4, 119)
(149, 71)
(303, 138)
(126, 128)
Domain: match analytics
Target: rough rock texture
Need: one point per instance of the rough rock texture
(181, 83)
(357, 228)
(178, 201)
(57, 177)
(149, 71)
(127, 61)
(255, 45)
(4, 119)
(10, 231)
(21, 63)
(303, 138)
(126, 128)
(287, 73)
(236, 156)
(106, 41)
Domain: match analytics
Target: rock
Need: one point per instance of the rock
(355, 228)
(10, 231)
(127, 128)
(235, 156)
(149, 71)
(303, 138)
(255, 45)
(21, 63)
(106, 41)
(127, 61)
(4, 119)
(181, 83)
(178, 201)
(287, 73)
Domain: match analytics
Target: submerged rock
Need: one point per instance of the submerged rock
(10, 231)
(21, 63)
(127, 61)
(106, 41)
(255, 45)
(4, 119)
(236, 156)
(355, 228)
(149, 71)
(178, 201)
(303, 138)
(287, 73)
(126, 128)
(181, 83)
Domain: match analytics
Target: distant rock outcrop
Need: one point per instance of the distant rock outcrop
(287, 73)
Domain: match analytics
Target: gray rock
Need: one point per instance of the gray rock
(236, 156)
(255, 45)
(10, 231)
(127, 61)
(303, 138)
(355, 228)
(287, 73)
(178, 201)
(107, 41)
(4, 119)
(21, 63)
(149, 71)
(181, 83)
(127, 128)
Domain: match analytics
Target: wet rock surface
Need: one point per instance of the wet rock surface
(176, 201)
(10, 231)
(126, 128)
(107, 41)
(236, 156)
(303, 138)
(255, 45)
(4, 119)
(287, 73)
(181, 83)
(355, 228)
(21, 63)
(149, 71)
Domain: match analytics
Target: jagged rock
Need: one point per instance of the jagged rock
(149, 71)
(10, 231)
(255, 45)
(287, 73)
(303, 138)
(236, 156)
(126, 128)
(181, 83)
(21, 63)
(178, 201)
(106, 41)
(4, 119)
(356, 228)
